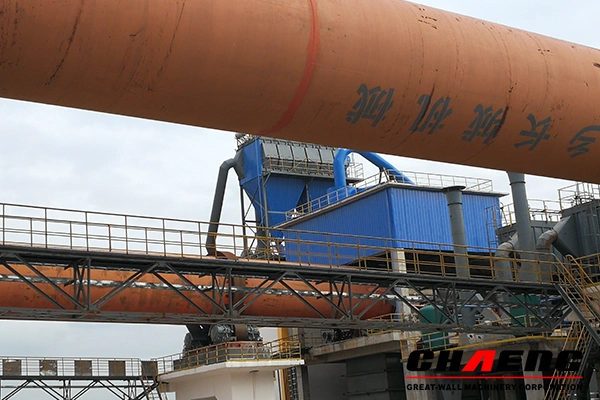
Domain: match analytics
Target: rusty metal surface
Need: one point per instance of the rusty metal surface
(72, 378)
(384, 75)
(116, 368)
(83, 367)
(62, 264)
(149, 294)
(34, 292)
(11, 367)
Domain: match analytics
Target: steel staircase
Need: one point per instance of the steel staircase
(582, 294)
(579, 338)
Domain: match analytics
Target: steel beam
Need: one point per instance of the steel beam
(347, 307)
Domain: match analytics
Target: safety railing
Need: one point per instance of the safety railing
(590, 265)
(420, 179)
(242, 139)
(54, 228)
(282, 349)
(426, 179)
(320, 202)
(579, 339)
(577, 194)
(437, 341)
(581, 287)
(309, 167)
(16, 367)
(539, 210)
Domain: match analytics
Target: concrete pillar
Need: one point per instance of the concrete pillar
(452, 394)
(416, 394)
(399, 265)
(595, 383)
(303, 383)
(532, 393)
(510, 394)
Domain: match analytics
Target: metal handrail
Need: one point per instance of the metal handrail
(131, 234)
(539, 210)
(14, 366)
(282, 349)
(577, 194)
(419, 179)
(353, 170)
(580, 339)
(436, 341)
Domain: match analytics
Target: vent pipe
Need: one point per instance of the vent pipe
(457, 224)
(519, 195)
(217, 206)
(459, 240)
(528, 271)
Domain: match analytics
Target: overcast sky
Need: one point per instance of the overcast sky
(67, 158)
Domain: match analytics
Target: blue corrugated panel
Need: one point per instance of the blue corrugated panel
(278, 193)
(367, 217)
(253, 170)
(253, 188)
(330, 249)
(412, 217)
(318, 187)
(480, 230)
(283, 194)
(422, 216)
(253, 161)
(419, 215)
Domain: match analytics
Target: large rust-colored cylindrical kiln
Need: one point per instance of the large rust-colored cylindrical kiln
(380, 75)
(149, 295)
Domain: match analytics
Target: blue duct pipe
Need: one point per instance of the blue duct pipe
(339, 167)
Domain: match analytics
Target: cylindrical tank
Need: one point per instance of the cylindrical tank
(521, 314)
(150, 296)
(432, 340)
(381, 75)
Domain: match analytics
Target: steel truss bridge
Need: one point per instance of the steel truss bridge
(73, 378)
(335, 281)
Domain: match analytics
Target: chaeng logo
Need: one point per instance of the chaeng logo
(503, 365)
(483, 361)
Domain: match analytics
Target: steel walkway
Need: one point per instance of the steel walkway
(336, 281)
(74, 378)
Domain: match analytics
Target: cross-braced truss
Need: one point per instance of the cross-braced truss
(218, 291)
(73, 388)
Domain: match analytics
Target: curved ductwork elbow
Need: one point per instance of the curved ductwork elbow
(506, 248)
(217, 206)
(339, 167)
(546, 239)
(502, 267)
